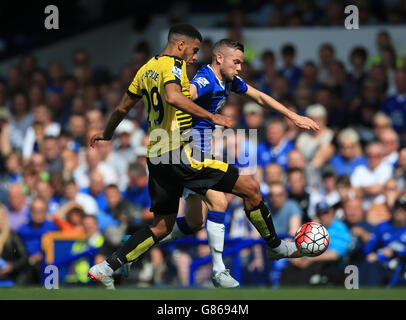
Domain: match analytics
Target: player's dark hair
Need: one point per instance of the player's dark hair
(228, 43)
(184, 29)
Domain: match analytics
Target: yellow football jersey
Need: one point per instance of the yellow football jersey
(166, 123)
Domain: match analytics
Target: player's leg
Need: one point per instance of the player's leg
(137, 245)
(217, 204)
(194, 219)
(165, 194)
(257, 212)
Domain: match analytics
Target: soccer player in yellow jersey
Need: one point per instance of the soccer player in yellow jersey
(173, 162)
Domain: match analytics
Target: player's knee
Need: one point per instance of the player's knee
(253, 191)
(221, 204)
(160, 232)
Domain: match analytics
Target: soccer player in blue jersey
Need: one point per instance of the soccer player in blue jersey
(210, 88)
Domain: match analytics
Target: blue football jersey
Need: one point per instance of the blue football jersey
(212, 96)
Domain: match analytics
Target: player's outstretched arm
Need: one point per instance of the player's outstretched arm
(175, 97)
(268, 102)
(118, 114)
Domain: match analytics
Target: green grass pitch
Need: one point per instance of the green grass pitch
(202, 294)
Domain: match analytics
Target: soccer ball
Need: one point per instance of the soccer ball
(312, 239)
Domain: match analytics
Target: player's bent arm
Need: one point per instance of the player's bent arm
(175, 97)
(267, 101)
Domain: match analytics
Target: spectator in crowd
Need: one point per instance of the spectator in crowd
(71, 193)
(365, 106)
(310, 76)
(70, 162)
(326, 58)
(381, 122)
(297, 191)
(387, 244)
(400, 169)
(69, 218)
(326, 268)
(286, 213)
(94, 119)
(296, 160)
(369, 179)
(123, 146)
(18, 208)
(44, 190)
(349, 154)
(137, 191)
(316, 147)
(42, 126)
(52, 154)
(77, 128)
(94, 161)
(390, 141)
(254, 119)
(354, 218)
(327, 192)
(391, 192)
(13, 254)
(113, 159)
(31, 234)
(11, 174)
(20, 119)
(276, 147)
(289, 70)
(273, 173)
(358, 73)
(395, 104)
(118, 206)
(5, 147)
(205, 57)
(94, 239)
(96, 189)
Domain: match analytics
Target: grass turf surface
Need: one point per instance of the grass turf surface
(202, 294)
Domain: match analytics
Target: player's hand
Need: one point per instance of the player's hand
(305, 123)
(221, 120)
(97, 137)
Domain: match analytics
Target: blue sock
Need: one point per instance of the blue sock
(216, 216)
(183, 226)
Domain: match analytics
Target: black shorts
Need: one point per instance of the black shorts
(186, 167)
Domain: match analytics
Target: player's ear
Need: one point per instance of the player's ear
(219, 58)
(181, 45)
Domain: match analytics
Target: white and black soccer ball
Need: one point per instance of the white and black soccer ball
(312, 239)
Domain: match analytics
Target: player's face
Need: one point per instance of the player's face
(230, 64)
(191, 50)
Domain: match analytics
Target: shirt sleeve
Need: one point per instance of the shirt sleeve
(239, 85)
(134, 89)
(203, 84)
(173, 72)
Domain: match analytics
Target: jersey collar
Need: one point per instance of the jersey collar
(167, 55)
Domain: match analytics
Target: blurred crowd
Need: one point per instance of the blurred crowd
(350, 175)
